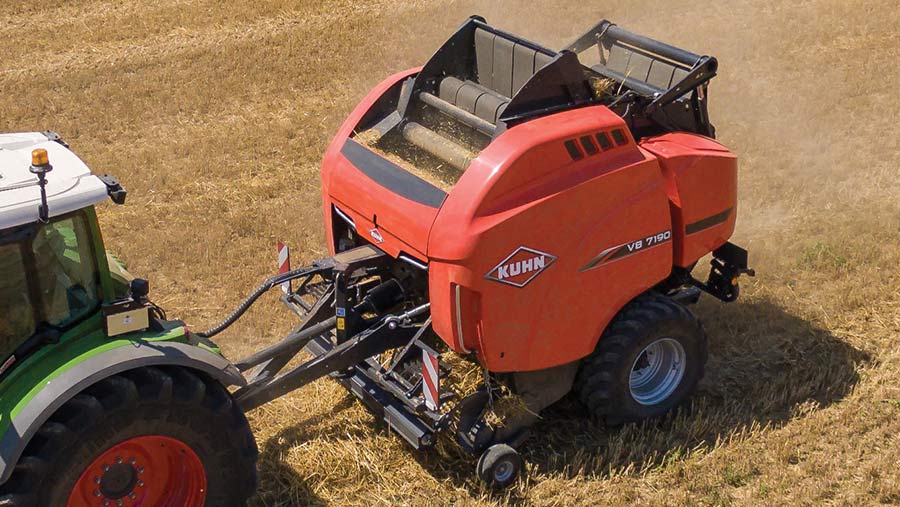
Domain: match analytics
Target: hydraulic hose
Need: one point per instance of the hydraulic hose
(262, 289)
(235, 315)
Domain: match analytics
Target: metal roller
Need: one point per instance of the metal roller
(438, 145)
(457, 113)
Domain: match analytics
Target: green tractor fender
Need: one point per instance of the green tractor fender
(55, 389)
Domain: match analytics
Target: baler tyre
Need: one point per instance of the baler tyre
(499, 466)
(143, 437)
(648, 362)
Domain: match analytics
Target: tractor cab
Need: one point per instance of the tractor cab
(75, 329)
(51, 256)
(50, 280)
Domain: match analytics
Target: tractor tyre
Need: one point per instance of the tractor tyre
(648, 361)
(155, 436)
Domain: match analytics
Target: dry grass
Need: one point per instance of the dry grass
(216, 118)
(599, 86)
(412, 158)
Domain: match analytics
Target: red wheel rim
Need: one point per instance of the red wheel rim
(149, 471)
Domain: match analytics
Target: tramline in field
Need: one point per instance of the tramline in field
(534, 214)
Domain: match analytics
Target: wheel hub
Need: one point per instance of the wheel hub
(657, 371)
(503, 471)
(148, 471)
(118, 481)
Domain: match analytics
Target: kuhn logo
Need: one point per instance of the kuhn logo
(376, 235)
(521, 267)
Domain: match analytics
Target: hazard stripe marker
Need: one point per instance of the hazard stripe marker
(284, 265)
(430, 381)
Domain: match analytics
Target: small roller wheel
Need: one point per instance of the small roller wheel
(500, 466)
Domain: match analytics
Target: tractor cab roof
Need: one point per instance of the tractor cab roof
(70, 185)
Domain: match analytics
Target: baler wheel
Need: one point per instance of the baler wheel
(500, 466)
(160, 436)
(648, 361)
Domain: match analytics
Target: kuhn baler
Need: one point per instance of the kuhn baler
(529, 211)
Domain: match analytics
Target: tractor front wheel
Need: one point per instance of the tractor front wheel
(157, 436)
(648, 361)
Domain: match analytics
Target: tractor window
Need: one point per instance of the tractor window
(66, 271)
(16, 314)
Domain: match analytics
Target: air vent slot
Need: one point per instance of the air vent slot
(604, 141)
(588, 144)
(573, 150)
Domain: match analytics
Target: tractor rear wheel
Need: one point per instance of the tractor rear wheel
(648, 361)
(156, 436)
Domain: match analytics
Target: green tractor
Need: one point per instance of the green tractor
(103, 401)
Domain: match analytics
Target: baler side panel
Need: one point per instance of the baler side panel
(527, 191)
(561, 317)
(701, 179)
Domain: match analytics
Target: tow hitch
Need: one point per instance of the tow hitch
(353, 314)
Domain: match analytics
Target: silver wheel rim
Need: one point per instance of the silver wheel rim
(657, 371)
(503, 471)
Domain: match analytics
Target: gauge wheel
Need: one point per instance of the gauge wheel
(499, 466)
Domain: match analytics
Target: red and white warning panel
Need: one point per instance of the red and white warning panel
(284, 265)
(430, 380)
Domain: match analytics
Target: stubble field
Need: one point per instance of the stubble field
(216, 114)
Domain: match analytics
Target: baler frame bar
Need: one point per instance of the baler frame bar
(690, 74)
(339, 357)
(361, 380)
(344, 344)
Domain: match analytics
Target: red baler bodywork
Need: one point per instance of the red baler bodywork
(606, 227)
